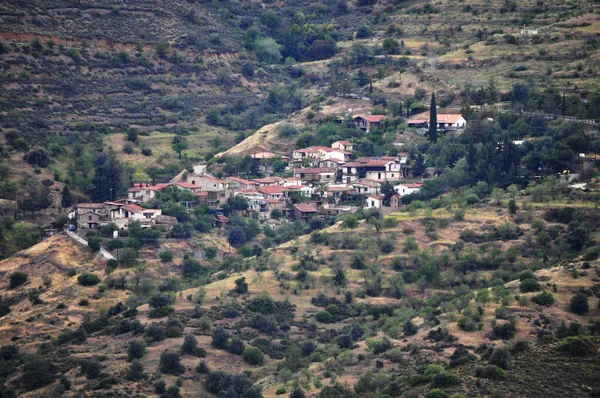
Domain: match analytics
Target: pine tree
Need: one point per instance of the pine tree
(433, 134)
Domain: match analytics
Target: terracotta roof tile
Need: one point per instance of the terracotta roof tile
(306, 208)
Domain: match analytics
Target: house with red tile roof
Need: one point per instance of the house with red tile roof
(187, 186)
(304, 211)
(272, 192)
(367, 122)
(445, 121)
(268, 181)
(374, 202)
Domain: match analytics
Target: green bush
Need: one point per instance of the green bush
(323, 316)
(17, 278)
(444, 379)
(94, 243)
(468, 324)
(161, 312)
(578, 346)
(529, 285)
(490, 372)
(254, 356)
(88, 279)
(166, 256)
(437, 393)
(545, 299)
(236, 346)
(579, 304)
(379, 346)
(170, 363)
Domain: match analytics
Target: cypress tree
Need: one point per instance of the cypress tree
(433, 134)
(67, 199)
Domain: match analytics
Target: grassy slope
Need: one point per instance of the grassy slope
(540, 369)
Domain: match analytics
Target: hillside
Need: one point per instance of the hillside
(301, 277)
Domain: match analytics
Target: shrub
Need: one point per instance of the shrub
(467, 324)
(323, 316)
(437, 393)
(135, 371)
(410, 328)
(386, 246)
(202, 368)
(578, 346)
(505, 331)
(219, 338)
(94, 243)
(155, 332)
(490, 372)
(161, 312)
(241, 286)
(444, 379)
(545, 299)
(379, 346)
(236, 346)
(190, 345)
(500, 357)
(166, 256)
(135, 350)
(128, 257)
(92, 369)
(363, 32)
(254, 356)
(17, 278)
(37, 372)
(529, 285)
(579, 304)
(88, 279)
(170, 363)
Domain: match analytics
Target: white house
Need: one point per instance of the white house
(374, 202)
(134, 213)
(408, 188)
(206, 182)
(366, 187)
(445, 121)
(345, 146)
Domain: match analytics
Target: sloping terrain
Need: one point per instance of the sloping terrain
(303, 274)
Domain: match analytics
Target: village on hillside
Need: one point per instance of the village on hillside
(320, 181)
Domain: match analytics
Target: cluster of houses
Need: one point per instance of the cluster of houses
(121, 213)
(326, 180)
(330, 184)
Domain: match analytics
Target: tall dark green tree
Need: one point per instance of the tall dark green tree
(433, 133)
(67, 198)
(107, 180)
